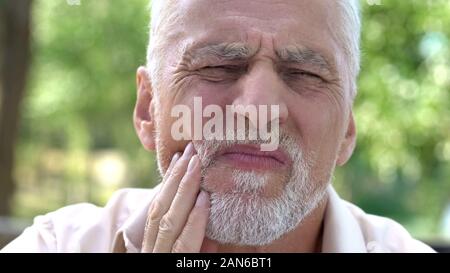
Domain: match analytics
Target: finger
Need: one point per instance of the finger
(161, 204)
(174, 221)
(209, 246)
(148, 242)
(169, 170)
(171, 165)
(191, 238)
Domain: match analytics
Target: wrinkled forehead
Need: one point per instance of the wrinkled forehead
(304, 23)
(302, 11)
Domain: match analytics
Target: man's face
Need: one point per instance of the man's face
(259, 53)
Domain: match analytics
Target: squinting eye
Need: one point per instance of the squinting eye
(302, 73)
(222, 68)
(221, 73)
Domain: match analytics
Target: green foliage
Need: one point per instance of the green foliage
(78, 143)
(80, 103)
(401, 164)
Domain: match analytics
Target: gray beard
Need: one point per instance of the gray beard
(255, 220)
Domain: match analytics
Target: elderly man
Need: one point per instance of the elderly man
(229, 195)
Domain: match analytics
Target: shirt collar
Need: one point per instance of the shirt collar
(342, 232)
(130, 235)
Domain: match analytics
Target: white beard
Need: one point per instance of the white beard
(252, 219)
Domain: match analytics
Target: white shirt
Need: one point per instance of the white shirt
(119, 227)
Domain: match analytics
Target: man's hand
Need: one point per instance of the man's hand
(178, 215)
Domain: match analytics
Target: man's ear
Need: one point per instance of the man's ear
(143, 117)
(349, 142)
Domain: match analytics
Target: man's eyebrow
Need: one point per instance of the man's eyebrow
(302, 55)
(240, 51)
(225, 51)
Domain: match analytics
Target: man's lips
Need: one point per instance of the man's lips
(251, 157)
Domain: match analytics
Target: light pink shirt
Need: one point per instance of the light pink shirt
(119, 227)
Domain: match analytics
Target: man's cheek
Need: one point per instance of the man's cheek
(317, 128)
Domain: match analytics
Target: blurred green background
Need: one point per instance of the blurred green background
(75, 140)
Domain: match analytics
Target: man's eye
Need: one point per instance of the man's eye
(222, 68)
(303, 74)
(220, 73)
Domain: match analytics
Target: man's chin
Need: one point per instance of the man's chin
(222, 179)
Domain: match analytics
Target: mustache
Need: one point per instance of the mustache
(208, 150)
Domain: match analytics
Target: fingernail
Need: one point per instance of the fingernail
(192, 163)
(202, 199)
(189, 150)
(175, 157)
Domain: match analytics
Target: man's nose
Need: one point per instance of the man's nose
(263, 86)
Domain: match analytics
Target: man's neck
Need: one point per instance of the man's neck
(306, 237)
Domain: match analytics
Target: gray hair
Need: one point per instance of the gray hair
(164, 15)
(349, 37)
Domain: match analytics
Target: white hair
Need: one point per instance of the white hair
(349, 36)
(164, 14)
